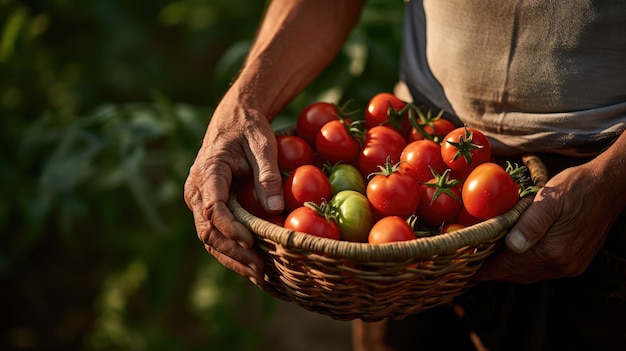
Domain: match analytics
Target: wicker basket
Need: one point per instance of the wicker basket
(347, 280)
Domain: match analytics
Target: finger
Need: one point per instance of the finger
(262, 153)
(250, 270)
(533, 224)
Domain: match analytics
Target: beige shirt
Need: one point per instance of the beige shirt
(534, 75)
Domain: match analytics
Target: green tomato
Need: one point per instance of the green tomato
(345, 177)
(354, 215)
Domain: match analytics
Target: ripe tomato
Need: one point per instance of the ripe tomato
(335, 143)
(489, 191)
(464, 148)
(293, 151)
(419, 156)
(384, 109)
(309, 220)
(248, 199)
(313, 117)
(306, 183)
(466, 219)
(353, 213)
(380, 143)
(436, 129)
(440, 201)
(390, 229)
(393, 192)
(343, 176)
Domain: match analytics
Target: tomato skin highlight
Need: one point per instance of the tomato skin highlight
(306, 220)
(489, 191)
(396, 194)
(442, 210)
(390, 229)
(480, 152)
(378, 113)
(306, 183)
(335, 144)
(353, 214)
(418, 157)
(345, 177)
(293, 151)
(313, 117)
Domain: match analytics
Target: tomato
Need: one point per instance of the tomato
(306, 183)
(309, 220)
(293, 151)
(353, 213)
(393, 192)
(466, 219)
(489, 191)
(436, 129)
(343, 176)
(390, 229)
(452, 227)
(419, 156)
(440, 201)
(335, 143)
(248, 199)
(464, 148)
(387, 109)
(313, 117)
(380, 143)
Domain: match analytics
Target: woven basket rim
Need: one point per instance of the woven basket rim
(471, 236)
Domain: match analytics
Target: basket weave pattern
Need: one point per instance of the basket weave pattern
(347, 280)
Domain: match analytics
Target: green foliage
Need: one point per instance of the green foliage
(103, 105)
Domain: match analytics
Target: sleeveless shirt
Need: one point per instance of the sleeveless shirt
(533, 75)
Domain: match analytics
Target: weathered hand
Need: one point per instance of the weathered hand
(238, 142)
(561, 232)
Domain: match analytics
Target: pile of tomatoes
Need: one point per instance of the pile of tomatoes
(395, 173)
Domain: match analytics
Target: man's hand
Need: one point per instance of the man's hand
(238, 142)
(561, 232)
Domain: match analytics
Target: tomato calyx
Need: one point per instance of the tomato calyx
(424, 118)
(443, 184)
(323, 209)
(419, 229)
(519, 175)
(465, 146)
(387, 169)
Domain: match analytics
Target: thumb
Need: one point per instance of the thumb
(267, 177)
(532, 225)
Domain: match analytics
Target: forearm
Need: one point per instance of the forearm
(296, 41)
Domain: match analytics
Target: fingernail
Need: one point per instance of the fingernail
(253, 280)
(516, 241)
(275, 203)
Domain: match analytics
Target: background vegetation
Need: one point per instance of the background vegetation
(103, 104)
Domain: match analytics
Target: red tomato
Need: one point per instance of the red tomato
(248, 199)
(393, 192)
(390, 229)
(419, 156)
(313, 117)
(440, 201)
(437, 129)
(489, 191)
(466, 219)
(306, 183)
(335, 143)
(380, 143)
(308, 220)
(464, 148)
(293, 152)
(384, 109)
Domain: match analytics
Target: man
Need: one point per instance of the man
(536, 76)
